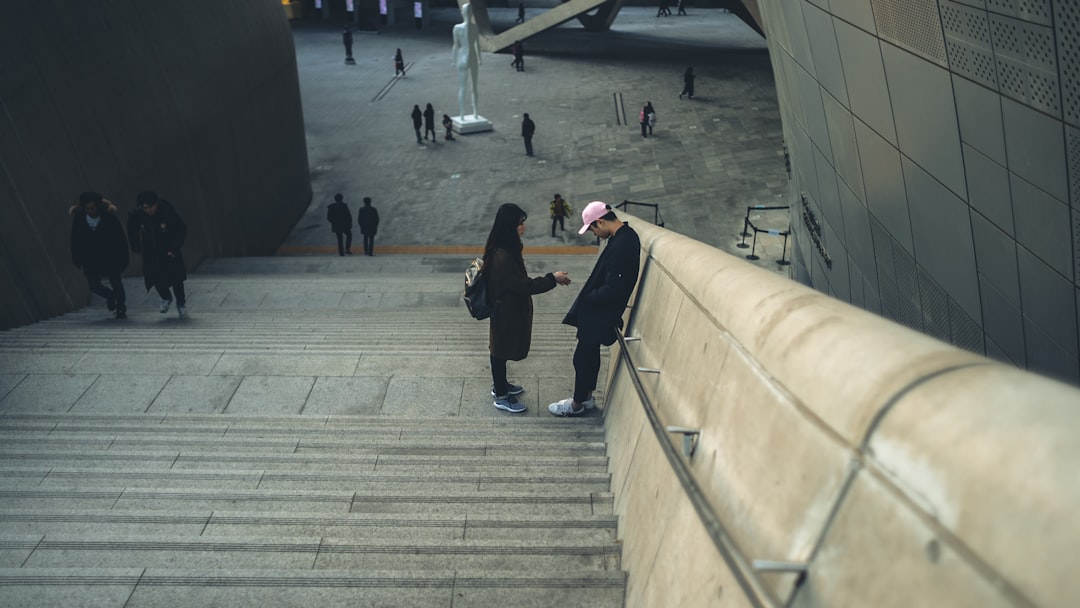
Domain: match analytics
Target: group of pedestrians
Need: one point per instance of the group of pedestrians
(426, 119)
(340, 218)
(154, 230)
(647, 119)
(596, 312)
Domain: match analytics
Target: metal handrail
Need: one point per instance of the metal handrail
(742, 568)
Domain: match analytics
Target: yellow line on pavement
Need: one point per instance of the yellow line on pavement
(435, 249)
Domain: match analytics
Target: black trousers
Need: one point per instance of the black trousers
(586, 369)
(342, 247)
(369, 244)
(559, 221)
(528, 145)
(114, 292)
(498, 376)
(177, 288)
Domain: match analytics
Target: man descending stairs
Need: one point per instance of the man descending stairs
(316, 432)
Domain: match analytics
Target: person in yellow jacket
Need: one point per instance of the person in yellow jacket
(560, 209)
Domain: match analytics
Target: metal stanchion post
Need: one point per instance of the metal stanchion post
(783, 254)
(746, 220)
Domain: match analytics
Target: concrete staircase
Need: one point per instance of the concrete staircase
(318, 432)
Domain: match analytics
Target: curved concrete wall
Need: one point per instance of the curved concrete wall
(197, 100)
(904, 471)
(936, 143)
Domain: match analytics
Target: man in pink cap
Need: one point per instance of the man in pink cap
(597, 312)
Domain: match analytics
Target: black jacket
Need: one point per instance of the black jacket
(429, 119)
(528, 127)
(417, 118)
(599, 307)
(101, 251)
(368, 219)
(159, 239)
(339, 217)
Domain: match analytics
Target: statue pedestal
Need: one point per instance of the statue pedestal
(471, 124)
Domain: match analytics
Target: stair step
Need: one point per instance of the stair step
(135, 587)
(305, 553)
(416, 527)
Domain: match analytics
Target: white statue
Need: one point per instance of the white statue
(466, 55)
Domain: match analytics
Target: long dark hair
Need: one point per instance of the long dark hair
(504, 233)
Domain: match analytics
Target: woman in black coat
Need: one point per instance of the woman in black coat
(509, 286)
(157, 232)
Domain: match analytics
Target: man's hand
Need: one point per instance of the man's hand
(561, 277)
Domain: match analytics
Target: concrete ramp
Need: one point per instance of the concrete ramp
(492, 42)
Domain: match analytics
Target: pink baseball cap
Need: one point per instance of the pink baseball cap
(592, 212)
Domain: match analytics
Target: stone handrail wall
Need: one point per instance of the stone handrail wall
(199, 101)
(902, 470)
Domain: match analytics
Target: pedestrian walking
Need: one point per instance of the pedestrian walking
(688, 83)
(518, 49)
(429, 122)
(682, 11)
(367, 217)
(643, 120)
(528, 128)
(99, 248)
(399, 64)
(598, 309)
(156, 231)
(665, 9)
(347, 39)
(449, 126)
(417, 121)
(521, 13)
(559, 209)
(340, 218)
(650, 116)
(511, 289)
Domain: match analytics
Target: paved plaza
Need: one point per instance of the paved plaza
(709, 157)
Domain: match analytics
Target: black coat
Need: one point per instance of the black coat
(528, 127)
(368, 220)
(159, 239)
(339, 216)
(510, 330)
(429, 119)
(417, 118)
(599, 307)
(101, 251)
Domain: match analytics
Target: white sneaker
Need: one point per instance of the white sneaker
(181, 311)
(165, 304)
(566, 408)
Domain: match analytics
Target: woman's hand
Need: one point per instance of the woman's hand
(561, 277)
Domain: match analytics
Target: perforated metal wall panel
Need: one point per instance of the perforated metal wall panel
(886, 274)
(965, 332)
(907, 288)
(1026, 63)
(935, 307)
(1067, 33)
(967, 38)
(1072, 157)
(1035, 11)
(912, 24)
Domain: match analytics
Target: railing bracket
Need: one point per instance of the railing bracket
(689, 438)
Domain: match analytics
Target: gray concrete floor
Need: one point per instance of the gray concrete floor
(709, 159)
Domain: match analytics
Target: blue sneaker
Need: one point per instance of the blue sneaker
(509, 403)
(515, 389)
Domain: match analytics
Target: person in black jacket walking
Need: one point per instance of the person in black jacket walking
(528, 127)
(99, 248)
(597, 311)
(340, 218)
(688, 83)
(429, 121)
(156, 231)
(367, 217)
(417, 121)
